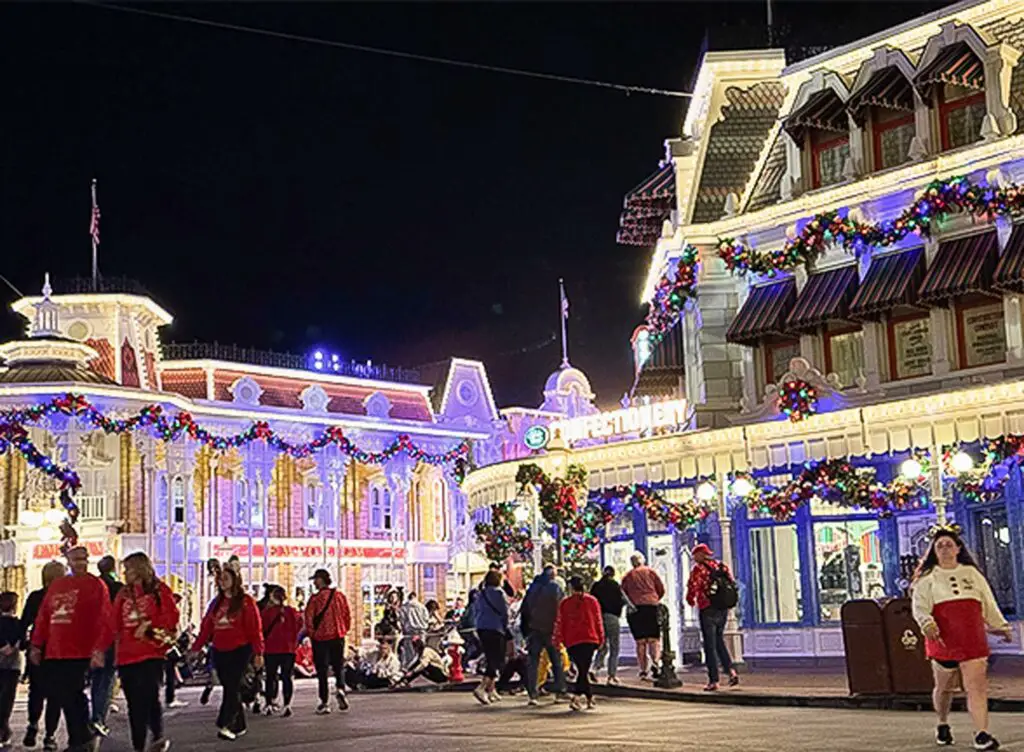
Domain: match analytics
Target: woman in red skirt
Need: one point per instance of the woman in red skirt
(955, 607)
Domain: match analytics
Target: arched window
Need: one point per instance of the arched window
(380, 508)
(162, 498)
(241, 502)
(178, 499)
(314, 505)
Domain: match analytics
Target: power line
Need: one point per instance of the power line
(628, 89)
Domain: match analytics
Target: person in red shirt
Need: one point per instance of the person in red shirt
(74, 628)
(327, 622)
(712, 620)
(233, 624)
(145, 623)
(281, 627)
(581, 629)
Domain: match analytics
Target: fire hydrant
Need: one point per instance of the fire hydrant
(455, 675)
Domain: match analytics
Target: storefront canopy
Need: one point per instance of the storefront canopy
(961, 267)
(763, 313)
(892, 281)
(1009, 274)
(825, 298)
(956, 64)
(887, 88)
(824, 110)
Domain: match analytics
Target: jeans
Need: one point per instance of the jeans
(8, 689)
(582, 655)
(230, 669)
(610, 647)
(170, 680)
(329, 654)
(141, 684)
(65, 684)
(102, 688)
(434, 673)
(712, 630)
(37, 698)
(535, 643)
(279, 667)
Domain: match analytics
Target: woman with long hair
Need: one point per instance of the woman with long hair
(233, 624)
(281, 626)
(145, 623)
(954, 605)
(491, 615)
(581, 629)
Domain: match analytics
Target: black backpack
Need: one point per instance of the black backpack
(722, 591)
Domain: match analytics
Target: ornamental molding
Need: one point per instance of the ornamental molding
(377, 405)
(314, 399)
(245, 391)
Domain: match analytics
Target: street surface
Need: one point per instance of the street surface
(454, 722)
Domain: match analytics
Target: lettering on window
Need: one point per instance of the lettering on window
(912, 345)
(984, 335)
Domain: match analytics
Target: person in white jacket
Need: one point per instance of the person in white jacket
(954, 606)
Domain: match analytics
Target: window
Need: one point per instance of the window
(241, 502)
(848, 562)
(981, 334)
(777, 356)
(892, 139)
(961, 111)
(380, 508)
(775, 578)
(828, 159)
(995, 556)
(178, 499)
(910, 347)
(162, 499)
(429, 581)
(256, 507)
(844, 355)
(440, 517)
(314, 505)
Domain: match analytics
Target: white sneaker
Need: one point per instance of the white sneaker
(494, 697)
(575, 705)
(114, 708)
(241, 733)
(591, 704)
(177, 704)
(226, 733)
(269, 710)
(532, 702)
(160, 745)
(481, 696)
(323, 708)
(613, 681)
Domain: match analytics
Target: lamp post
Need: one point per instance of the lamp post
(528, 510)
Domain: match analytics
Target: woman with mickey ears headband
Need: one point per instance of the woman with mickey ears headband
(954, 606)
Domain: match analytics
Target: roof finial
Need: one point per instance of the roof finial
(46, 323)
(47, 290)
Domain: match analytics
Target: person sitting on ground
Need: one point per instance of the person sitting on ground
(429, 664)
(383, 673)
(304, 665)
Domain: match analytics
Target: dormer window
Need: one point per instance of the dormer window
(820, 128)
(883, 105)
(828, 158)
(953, 84)
(961, 111)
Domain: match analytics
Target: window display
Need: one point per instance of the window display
(910, 347)
(846, 356)
(848, 560)
(775, 575)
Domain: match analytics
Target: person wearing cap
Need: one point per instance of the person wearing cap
(327, 621)
(712, 619)
(74, 627)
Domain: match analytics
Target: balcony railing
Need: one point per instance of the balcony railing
(92, 507)
(268, 358)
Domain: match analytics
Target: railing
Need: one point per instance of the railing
(92, 507)
(74, 285)
(268, 358)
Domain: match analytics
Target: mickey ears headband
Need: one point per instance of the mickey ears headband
(949, 529)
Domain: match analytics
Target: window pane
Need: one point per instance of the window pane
(912, 345)
(964, 124)
(847, 354)
(779, 356)
(775, 565)
(995, 557)
(984, 335)
(895, 145)
(831, 162)
(848, 559)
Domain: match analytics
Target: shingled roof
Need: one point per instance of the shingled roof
(769, 179)
(735, 143)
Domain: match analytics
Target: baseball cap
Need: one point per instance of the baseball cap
(322, 573)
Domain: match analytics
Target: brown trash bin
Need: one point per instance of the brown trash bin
(911, 670)
(867, 660)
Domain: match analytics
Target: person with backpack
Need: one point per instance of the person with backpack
(712, 589)
(328, 621)
(281, 626)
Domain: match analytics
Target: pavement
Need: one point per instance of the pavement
(451, 721)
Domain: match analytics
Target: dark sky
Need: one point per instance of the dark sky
(282, 195)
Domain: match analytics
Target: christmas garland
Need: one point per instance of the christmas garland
(671, 293)
(559, 498)
(797, 400)
(987, 480)
(503, 536)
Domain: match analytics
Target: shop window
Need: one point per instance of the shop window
(910, 347)
(380, 509)
(178, 499)
(775, 575)
(848, 561)
(844, 355)
(995, 556)
(163, 499)
(429, 581)
(961, 112)
(891, 137)
(981, 334)
(828, 159)
(777, 356)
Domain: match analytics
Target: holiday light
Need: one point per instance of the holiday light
(962, 462)
(706, 491)
(911, 469)
(522, 513)
(797, 400)
(742, 487)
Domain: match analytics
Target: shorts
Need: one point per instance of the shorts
(949, 665)
(643, 623)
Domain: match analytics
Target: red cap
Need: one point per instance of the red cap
(701, 548)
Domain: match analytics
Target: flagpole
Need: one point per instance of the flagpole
(94, 232)
(563, 314)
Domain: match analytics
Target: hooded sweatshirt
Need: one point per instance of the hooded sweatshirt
(132, 607)
(74, 620)
(281, 626)
(231, 631)
(541, 603)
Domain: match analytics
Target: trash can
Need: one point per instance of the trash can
(911, 672)
(867, 660)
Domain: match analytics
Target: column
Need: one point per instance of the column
(733, 635)
(398, 472)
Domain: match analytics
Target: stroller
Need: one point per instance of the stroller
(252, 686)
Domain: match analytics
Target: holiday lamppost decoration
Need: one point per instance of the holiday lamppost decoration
(504, 535)
(984, 480)
(675, 287)
(797, 400)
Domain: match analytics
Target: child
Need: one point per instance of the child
(11, 636)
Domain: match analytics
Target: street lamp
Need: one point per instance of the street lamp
(911, 469)
(522, 513)
(962, 462)
(706, 491)
(742, 487)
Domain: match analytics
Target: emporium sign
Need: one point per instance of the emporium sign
(631, 420)
(313, 551)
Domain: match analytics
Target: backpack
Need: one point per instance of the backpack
(722, 591)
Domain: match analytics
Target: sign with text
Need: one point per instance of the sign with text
(984, 335)
(49, 551)
(306, 551)
(912, 347)
(669, 414)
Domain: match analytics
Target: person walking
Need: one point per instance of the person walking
(101, 680)
(644, 590)
(538, 616)
(415, 620)
(580, 627)
(954, 606)
(172, 661)
(37, 694)
(491, 627)
(145, 624)
(11, 638)
(609, 595)
(73, 630)
(712, 589)
(281, 626)
(213, 570)
(328, 621)
(233, 626)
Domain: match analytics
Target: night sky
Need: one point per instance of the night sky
(283, 195)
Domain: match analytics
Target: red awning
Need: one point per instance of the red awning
(956, 64)
(763, 313)
(961, 267)
(825, 298)
(887, 88)
(824, 110)
(892, 281)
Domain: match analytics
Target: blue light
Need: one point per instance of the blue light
(318, 366)
(318, 355)
(334, 358)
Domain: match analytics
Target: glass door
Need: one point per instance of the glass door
(663, 561)
(994, 556)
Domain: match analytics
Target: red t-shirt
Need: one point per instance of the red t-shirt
(230, 631)
(132, 607)
(281, 626)
(75, 618)
(336, 621)
(579, 621)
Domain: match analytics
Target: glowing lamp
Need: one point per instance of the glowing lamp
(911, 469)
(521, 513)
(962, 462)
(706, 491)
(47, 533)
(318, 365)
(31, 518)
(318, 355)
(54, 516)
(742, 487)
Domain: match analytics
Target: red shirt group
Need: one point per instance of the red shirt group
(74, 620)
(336, 620)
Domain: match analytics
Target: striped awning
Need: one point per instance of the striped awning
(956, 64)
(1009, 274)
(824, 110)
(660, 184)
(892, 281)
(763, 313)
(887, 88)
(961, 267)
(825, 298)
(646, 208)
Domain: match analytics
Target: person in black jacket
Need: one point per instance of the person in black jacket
(609, 595)
(36, 685)
(506, 586)
(101, 680)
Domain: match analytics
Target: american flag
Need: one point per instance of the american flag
(565, 300)
(94, 222)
